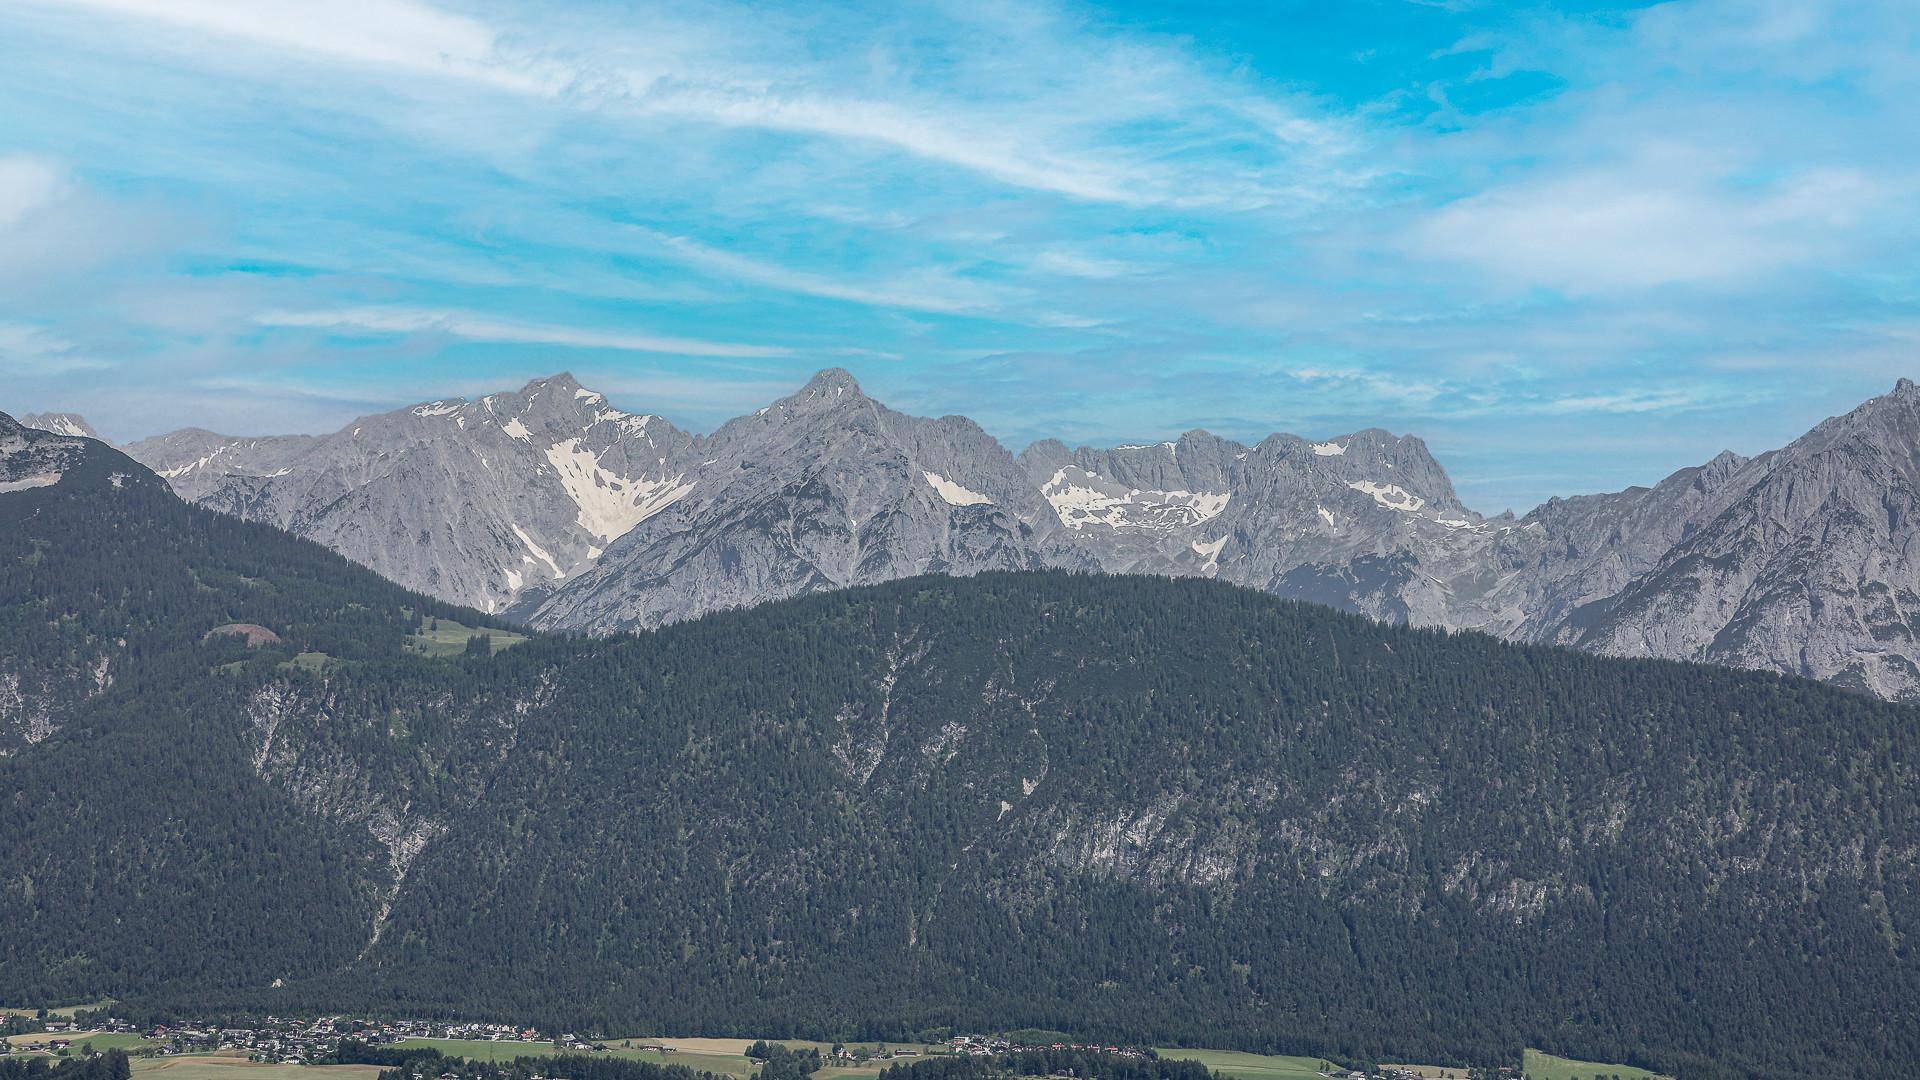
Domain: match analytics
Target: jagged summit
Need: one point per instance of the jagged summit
(561, 385)
(831, 380)
(474, 501)
(60, 423)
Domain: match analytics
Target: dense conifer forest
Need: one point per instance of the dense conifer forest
(112, 1065)
(1134, 809)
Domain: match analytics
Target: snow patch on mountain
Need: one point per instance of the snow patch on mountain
(538, 552)
(953, 493)
(1328, 449)
(610, 505)
(1082, 498)
(195, 466)
(1210, 552)
(1391, 496)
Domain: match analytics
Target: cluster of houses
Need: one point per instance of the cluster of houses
(299, 1041)
(999, 1044)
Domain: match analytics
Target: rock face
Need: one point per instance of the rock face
(1806, 560)
(573, 515)
(42, 684)
(1343, 522)
(468, 501)
(823, 489)
(31, 457)
(60, 423)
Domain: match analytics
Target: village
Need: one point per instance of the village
(283, 1040)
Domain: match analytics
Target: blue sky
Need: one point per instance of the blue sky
(1574, 246)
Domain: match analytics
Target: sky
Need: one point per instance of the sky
(1574, 246)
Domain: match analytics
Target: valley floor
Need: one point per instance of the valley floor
(727, 1057)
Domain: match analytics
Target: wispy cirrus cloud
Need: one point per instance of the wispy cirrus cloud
(918, 290)
(34, 350)
(1070, 145)
(474, 326)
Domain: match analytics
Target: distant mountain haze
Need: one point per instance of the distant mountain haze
(552, 506)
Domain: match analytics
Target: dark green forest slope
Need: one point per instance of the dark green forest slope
(1165, 811)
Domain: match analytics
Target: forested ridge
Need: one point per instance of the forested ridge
(1135, 809)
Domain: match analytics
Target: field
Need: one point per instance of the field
(81, 1040)
(1541, 1066)
(727, 1057)
(233, 1066)
(734, 1064)
(63, 1011)
(444, 637)
(1243, 1066)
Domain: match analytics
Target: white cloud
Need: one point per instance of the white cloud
(1076, 264)
(474, 326)
(1656, 399)
(1395, 389)
(387, 33)
(28, 185)
(1671, 217)
(32, 350)
(1039, 103)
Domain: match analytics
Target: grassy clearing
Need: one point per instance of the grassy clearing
(739, 1046)
(482, 1049)
(306, 661)
(1539, 1066)
(503, 1050)
(736, 1065)
(444, 637)
(1244, 1066)
(235, 1066)
(82, 1040)
(727, 1057)
(64, 1011)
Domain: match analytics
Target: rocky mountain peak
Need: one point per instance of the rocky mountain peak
(60, 423)
(556, 392)
(833, 380)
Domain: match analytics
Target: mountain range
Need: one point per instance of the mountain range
(553, 507)
(1151, 809)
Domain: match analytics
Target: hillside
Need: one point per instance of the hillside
(1172, 811)
(142, 845)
